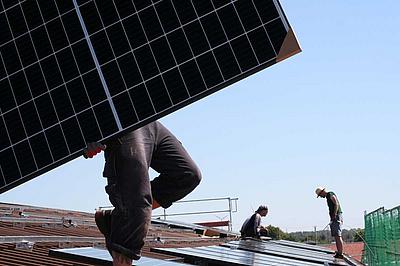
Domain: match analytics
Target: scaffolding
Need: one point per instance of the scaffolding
(382, 237)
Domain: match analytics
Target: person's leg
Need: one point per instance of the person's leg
(120, 260)
(130, 193)
(339, 244)
(179, 175)
(336, 232)
(338, 237)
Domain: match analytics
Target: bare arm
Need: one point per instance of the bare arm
(257, 223)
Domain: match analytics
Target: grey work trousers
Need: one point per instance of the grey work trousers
(130, 191)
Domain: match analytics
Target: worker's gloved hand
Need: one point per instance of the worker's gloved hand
(92, 149)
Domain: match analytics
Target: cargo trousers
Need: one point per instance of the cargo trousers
(127, 162)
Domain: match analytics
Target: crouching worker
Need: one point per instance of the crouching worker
(252, 226)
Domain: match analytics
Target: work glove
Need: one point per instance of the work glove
(92, 149)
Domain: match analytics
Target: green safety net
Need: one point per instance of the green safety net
(382, 237)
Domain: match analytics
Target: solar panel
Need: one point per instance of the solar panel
(102, 257)
(270, 248)
(302, 246)
(217, 255)
(73, 72)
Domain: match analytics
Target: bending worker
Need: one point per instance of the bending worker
(335, 213)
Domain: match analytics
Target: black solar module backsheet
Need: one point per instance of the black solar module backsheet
(102, 257)
(78, 71)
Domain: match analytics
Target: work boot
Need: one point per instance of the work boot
(103, 222)
(338, 256)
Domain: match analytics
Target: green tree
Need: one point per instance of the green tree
(276, 233)
(359, 235)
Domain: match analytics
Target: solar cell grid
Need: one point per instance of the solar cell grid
(92, 68)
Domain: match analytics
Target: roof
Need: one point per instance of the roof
(45, 228)
(28, 233)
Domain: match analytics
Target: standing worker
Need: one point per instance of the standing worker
(252, 226)
(127, 162)
(335, 213)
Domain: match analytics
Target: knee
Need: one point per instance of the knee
(195, 176)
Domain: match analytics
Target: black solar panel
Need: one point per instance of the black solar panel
(302, 246)
(102, 257)
(73, 72)
(271, 248)
(216, 255)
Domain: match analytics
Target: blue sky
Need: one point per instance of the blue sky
(328, 116)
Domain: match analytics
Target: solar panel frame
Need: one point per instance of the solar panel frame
(54, 55)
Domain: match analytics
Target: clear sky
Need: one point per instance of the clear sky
(328, 116)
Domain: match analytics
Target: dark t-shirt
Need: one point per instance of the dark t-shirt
(249, 227)
(331, 204)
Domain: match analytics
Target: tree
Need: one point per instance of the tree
(359, 235)
(276, 233)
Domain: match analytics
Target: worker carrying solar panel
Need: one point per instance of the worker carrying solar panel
(252, 226)
(127, 162)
